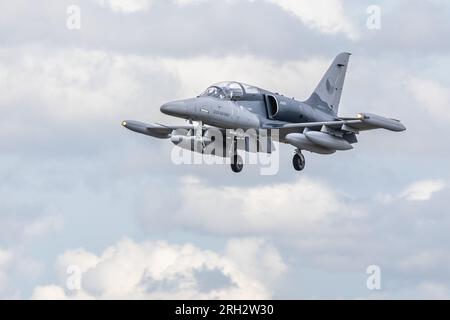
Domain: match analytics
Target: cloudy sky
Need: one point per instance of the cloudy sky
(90, 210)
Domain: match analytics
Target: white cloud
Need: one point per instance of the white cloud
(158, 270)
(284, 208)
(434, 290)
(422, 190)
(52, 292)
(111, 83)
(6, 256)
(432, 96)
(252, 260)
(290, 77)
(43, 226)
(327, 16)
(188, 2)
(426, 261)
(76, 86)
(327, 229)
(125, 6)
(14, 264)
(324, 15)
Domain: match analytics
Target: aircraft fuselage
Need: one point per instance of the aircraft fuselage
(245, 112)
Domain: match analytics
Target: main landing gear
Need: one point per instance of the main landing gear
(298, 161)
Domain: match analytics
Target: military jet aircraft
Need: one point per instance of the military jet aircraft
(311, 125)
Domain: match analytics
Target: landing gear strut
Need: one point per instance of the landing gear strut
(298, 161)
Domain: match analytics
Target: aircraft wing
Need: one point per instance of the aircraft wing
(364, 121)
(154, 129)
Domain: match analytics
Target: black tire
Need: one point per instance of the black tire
(298, 161)
(237, 164)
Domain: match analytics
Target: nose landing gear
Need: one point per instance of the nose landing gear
(237, 164)
(298, 161)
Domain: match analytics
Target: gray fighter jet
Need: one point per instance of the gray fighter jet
(312, 125)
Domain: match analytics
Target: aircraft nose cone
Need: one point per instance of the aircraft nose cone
(176, 108)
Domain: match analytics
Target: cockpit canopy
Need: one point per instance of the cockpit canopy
(230, 90)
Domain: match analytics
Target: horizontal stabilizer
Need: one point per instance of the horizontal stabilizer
(372, 121)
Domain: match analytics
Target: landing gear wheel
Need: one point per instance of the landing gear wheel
(299, 162)
(237, 164)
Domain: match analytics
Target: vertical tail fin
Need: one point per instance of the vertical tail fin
(327, 95)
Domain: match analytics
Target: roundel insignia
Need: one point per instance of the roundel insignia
(329, 87)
